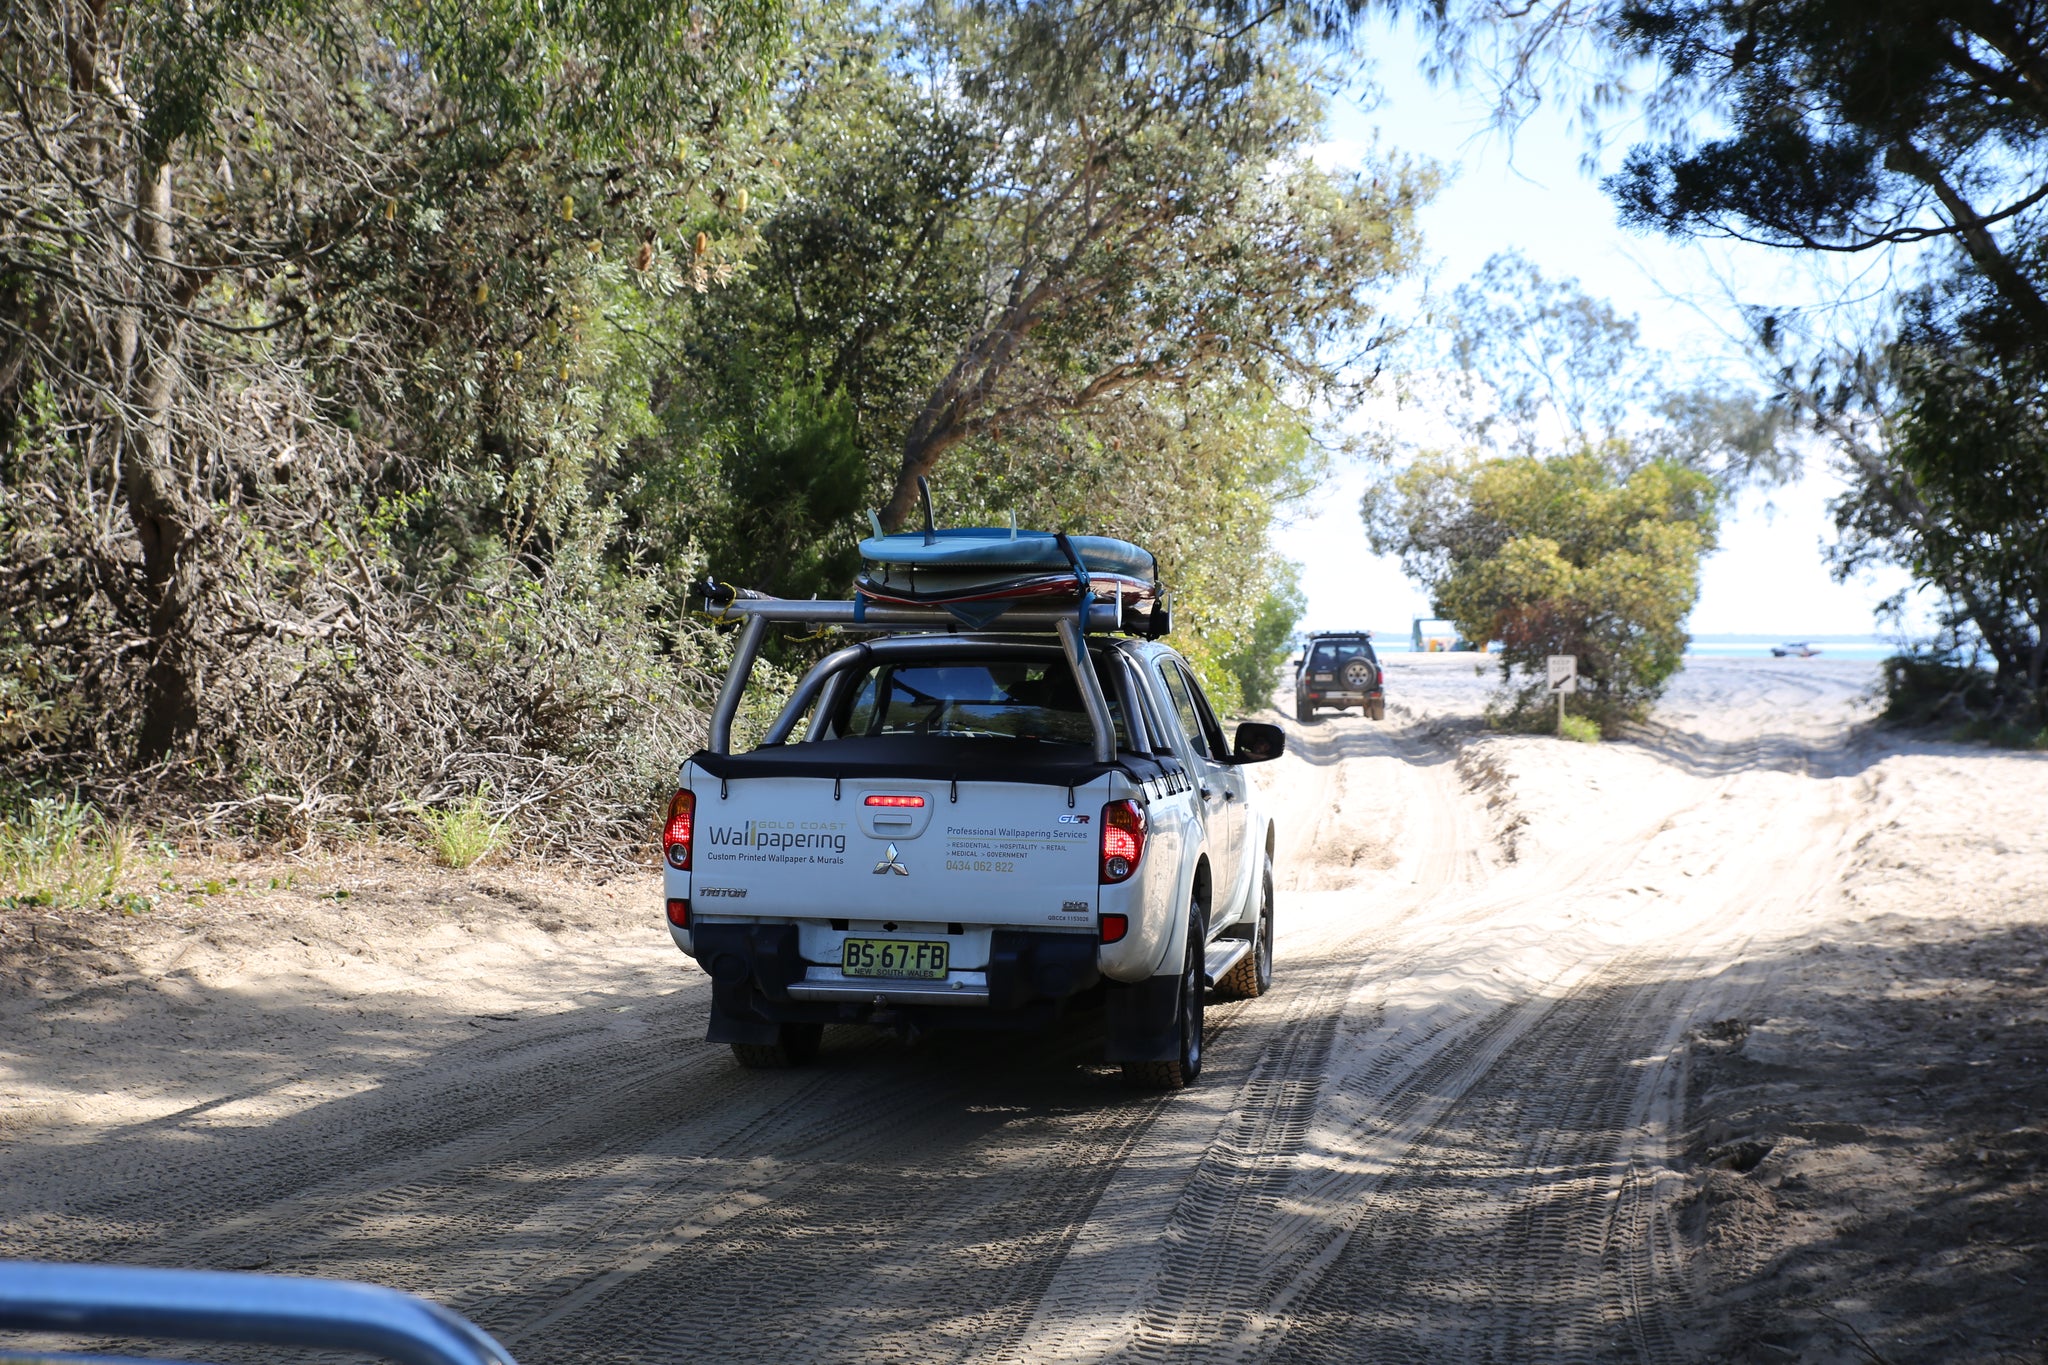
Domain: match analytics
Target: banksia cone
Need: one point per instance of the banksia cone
(703, 242)
(646, 256)
(740, 200)
(568, 209)
(483, 291)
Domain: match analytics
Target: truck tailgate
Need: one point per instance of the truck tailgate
(991, 853)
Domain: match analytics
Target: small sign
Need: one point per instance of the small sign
(1564, 672)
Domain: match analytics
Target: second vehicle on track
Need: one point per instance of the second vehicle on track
(1339, 670)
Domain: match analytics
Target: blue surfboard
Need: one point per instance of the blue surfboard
(998, 552)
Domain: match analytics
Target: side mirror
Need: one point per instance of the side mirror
(1256, 743)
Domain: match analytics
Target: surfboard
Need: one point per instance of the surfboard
(978, 572)
(991, 550)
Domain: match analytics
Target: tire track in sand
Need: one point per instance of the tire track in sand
(1570, 1071)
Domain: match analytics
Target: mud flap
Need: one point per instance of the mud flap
(1144, 1021)
(733, 1019)
(742, 959)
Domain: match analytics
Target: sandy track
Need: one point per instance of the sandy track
(1451, 1133)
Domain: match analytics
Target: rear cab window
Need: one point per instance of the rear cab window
(1003, 699)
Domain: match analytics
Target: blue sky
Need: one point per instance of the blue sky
(1769, 575)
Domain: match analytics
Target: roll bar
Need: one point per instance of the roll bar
(1070, 624)
(1091, 690)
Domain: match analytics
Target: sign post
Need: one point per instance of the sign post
(1564, 677)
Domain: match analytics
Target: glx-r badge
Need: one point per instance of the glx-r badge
(892, 863)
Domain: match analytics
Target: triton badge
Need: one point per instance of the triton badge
(892, 863)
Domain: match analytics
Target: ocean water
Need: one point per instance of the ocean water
(1750, 646)
(1830, 646)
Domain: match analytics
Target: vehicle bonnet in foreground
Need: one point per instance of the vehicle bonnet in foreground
(217, 1305)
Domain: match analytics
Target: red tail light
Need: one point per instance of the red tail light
(675, 835)
(679, 912)
(1114, 927)
(1123, 840)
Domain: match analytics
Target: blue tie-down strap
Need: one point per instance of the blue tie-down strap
(217, 1305)
(1087, 593)
(978, 615)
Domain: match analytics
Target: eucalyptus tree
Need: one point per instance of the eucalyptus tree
(1593, 553)
(1079, 261)
(1145, 213)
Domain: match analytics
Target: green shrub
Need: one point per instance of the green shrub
(1927, 687)
(1596, 555)
(464, 835)
(2005, 734)
(1581, 728)
(1932, 686)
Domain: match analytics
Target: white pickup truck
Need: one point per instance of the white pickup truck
(974, 830)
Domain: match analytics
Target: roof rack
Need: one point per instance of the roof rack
(723, 601)
(1151, 618)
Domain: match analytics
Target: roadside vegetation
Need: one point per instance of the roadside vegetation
(1574, 516)
(1574, 554)
(60, 854)
(374, 380)
(1915, 138)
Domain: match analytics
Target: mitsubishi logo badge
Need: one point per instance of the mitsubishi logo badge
(892, 863)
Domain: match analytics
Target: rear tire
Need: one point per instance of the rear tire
(1252, 977)
(794, 1045)
(1379, 710)
(1180, 1073)
(1304, 713)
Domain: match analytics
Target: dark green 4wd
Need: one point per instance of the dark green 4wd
(1339, 670)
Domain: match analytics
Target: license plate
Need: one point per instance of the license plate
(919, 959)
(1326, 677)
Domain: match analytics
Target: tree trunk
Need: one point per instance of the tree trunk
(167, 512)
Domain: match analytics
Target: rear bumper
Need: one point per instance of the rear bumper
(1320, 696)
(759, 979)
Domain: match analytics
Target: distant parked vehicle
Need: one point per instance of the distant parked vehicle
(1794, 649)
(1336, 670)
(1435, 635)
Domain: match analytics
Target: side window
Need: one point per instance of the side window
(1210, 725)
(1184, 706)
